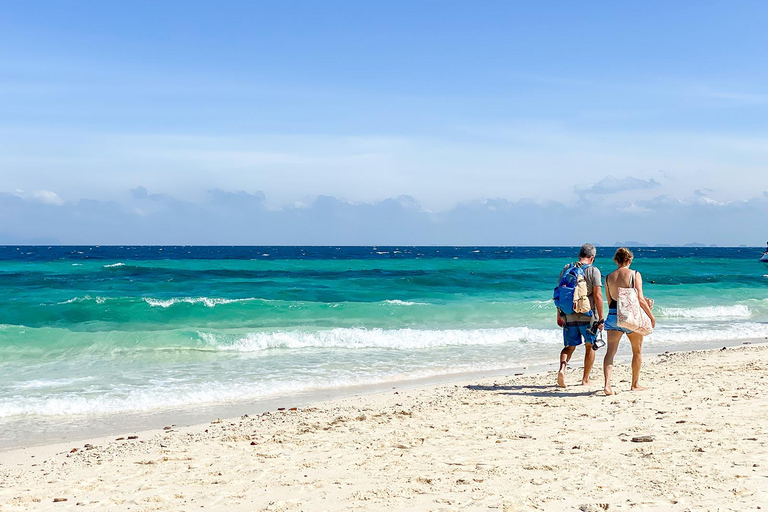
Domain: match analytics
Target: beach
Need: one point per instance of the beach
(695, 440)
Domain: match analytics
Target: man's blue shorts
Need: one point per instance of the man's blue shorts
(573, 334)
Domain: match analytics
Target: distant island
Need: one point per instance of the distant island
(630, 243)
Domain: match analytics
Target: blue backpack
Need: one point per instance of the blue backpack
(565, 292)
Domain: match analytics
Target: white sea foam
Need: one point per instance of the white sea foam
(356, 338)
(178, 394)
(48, 383)
(113, 265)
(420, 339)
(542, 304)
(85, 298)
(208, 302)
(163, 394)
(397, 302)
(707, 312)
(673, 335)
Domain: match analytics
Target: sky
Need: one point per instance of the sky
(418, 122)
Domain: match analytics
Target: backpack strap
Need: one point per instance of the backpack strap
(564, 272)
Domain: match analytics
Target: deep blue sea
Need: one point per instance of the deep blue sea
(88, 332)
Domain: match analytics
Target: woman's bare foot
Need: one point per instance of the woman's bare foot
(585, 382)
(561, 379)
(638, 388)
(608, 391)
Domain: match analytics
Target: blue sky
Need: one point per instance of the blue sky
(614, 107)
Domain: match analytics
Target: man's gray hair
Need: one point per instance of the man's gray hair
(587, 251)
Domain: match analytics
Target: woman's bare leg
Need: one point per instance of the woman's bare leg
(637, 360)
(613, 345)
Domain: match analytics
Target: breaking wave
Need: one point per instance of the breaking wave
(208, 302)
(355, 338)
(85, 298)
(707, 312)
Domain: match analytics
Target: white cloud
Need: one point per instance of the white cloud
(43, 196)
(534, 160)
(225, 218)
(611, 185)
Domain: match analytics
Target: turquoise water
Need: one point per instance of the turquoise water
(102, 330)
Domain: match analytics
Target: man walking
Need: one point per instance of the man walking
(579, 282)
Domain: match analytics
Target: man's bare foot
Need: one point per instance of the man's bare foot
(585, 382)
(638, 388)
(561, 379)
(608, 391)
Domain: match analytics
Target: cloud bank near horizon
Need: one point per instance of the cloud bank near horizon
(243, 218)
(611, 185)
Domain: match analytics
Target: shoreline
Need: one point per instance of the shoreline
(695, 438)
(98, 427)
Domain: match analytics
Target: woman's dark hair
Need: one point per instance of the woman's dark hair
(623, 255)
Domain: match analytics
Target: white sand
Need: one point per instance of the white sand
(516, 443)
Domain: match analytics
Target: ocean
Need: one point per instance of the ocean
(90, 335)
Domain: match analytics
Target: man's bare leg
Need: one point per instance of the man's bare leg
(637, 360)
(565, 356)
(589, 361)
(613, 345)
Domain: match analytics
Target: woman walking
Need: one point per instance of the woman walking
(623, 277)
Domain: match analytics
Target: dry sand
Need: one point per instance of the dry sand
(509, 444)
